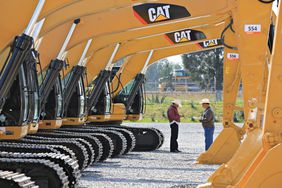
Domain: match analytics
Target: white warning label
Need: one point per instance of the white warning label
(253, 28)
(233, 56)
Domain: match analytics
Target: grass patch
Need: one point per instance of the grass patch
(157, 105)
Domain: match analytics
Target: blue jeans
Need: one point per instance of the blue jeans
(208, 137)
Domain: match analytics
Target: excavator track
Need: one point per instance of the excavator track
(66, 161)
(105, 140)
(69, 165)
(161, 137)
(36, 148)
(129, 136)
(147, 139)
(131, 140)
(119, 141)
(108, 145)
(97, 147)
(88, 148)
(78, 148)
(15, 180)
(43, 172)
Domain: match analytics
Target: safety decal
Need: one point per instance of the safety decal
(252, 28)
(233, 56)
(158, 12)
(210, 43)
(184, 36)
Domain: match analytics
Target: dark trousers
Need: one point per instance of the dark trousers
(208, 137)
(174, 137)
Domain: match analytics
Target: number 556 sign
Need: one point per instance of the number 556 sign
(252, 28)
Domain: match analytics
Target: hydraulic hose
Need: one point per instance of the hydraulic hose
(266, 2)
(119, 84)
(229, 26)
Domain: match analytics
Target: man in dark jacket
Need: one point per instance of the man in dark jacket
(174, 120)
(207, 120)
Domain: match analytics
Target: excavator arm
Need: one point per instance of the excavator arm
(251, 27)
(131, 47)
(264, 171)
(131, 24)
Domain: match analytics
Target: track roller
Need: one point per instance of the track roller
(15, 180)
(43, 172)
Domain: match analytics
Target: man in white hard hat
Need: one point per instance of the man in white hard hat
(174, 120)
(207, 121)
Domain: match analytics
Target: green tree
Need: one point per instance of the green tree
(206, 68)
(161, 72)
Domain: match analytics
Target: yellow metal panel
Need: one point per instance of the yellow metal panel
(14, 18)
(228, 141)
(51, 6)
(80, 8)
(98, 62)
(131, 22)
(145, 45)
(109, 39)
(251, 23)
(52, 43)
(265, 170)
(74, 56)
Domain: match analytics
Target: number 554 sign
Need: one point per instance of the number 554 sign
(252, 28)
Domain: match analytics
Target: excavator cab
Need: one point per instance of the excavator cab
(14, 113)
(133, 97)
(51, 94)
(74, 97)
(29, 68)
(14, 99)
(99, 98)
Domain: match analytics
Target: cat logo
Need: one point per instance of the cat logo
(210, 43)
(159, 13)
(184, 36)
(149, 13)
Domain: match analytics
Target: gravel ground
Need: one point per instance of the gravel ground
(155, 169)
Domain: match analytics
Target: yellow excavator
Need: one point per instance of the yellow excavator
(252, 31)
(53, 168)
(136, 64)
(232, 134)
(33, 85)
(55, 123)
(41, 97)
(99, 117)
(143, 45)
(80, 31)
(229, 137)
(120, 112)
(263, 171)
(129, 78)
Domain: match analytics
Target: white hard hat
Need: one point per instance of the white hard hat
(205, 101)
(178, 102)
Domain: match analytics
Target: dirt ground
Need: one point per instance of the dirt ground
(156, 169)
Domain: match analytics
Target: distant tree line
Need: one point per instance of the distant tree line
(162, 71)
(206, 68)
